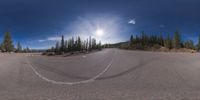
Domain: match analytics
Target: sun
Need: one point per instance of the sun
(99, 32)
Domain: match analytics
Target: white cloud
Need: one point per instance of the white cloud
(41, 40)
(132, 21)
(56, 38)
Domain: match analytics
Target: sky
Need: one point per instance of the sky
(39, 24)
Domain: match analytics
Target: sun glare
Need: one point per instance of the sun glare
(99, 32)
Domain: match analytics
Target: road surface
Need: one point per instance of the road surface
(130, 75)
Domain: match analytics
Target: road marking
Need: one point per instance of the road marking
(69, 83)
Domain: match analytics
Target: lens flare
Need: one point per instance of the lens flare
(99, 32)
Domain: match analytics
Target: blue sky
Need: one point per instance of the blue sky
(40, 23)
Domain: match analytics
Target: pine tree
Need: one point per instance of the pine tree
(7, 43)
(79, 44)
(198, 46)
(57, 50)
(19, 47)
(131, 40)
(189, 44)
(161, 40)
(52, 49)
(1, 47)
(69, 46)
(177, 40)
(73, 47)
(143, 38)
(99, 45)
(168, 42)
(94, 43)
(66, 46)
(83, 47)
(87, 45)
(27, 49)
(90, 43)
(62, 45)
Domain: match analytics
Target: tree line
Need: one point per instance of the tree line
(145, 41)
(8, 46)
(142, 42)
(75, 44)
